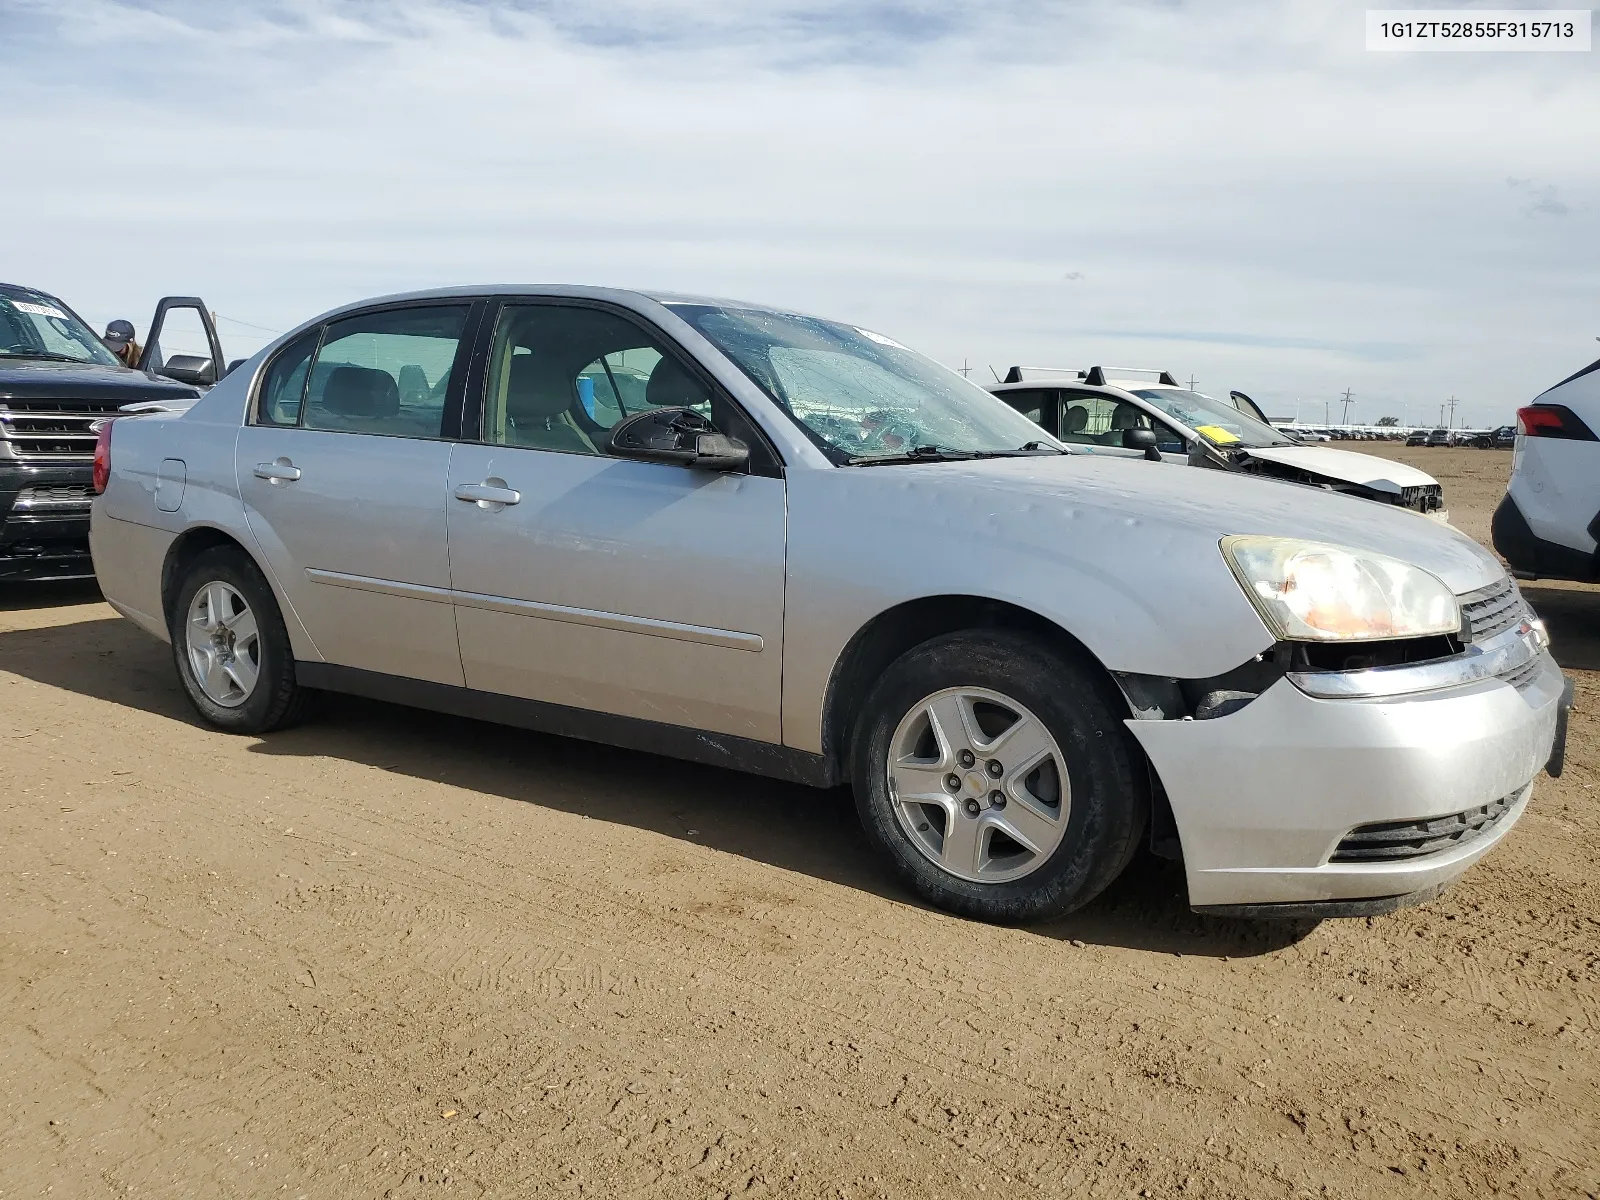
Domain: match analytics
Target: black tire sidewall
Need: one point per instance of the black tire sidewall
(275, 686)
(1108, 798)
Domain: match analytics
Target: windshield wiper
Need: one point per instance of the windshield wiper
(915, 454)
(1026, 450)
(44, 354)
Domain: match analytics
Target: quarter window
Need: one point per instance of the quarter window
(284, 385)
(386, 372)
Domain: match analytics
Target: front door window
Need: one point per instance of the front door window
(560, 377)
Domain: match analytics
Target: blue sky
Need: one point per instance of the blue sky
(1238, 192)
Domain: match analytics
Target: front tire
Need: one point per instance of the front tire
(230, 646)
(995, 775)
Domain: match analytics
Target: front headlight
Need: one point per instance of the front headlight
(1311, 591)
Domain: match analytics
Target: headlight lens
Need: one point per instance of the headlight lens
(1311, 591)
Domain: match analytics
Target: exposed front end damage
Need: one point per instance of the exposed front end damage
(1327, 781)
(1425, 498)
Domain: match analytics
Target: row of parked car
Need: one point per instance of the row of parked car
(1019, 624)
(1502, 438)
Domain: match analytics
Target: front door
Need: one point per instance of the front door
(1092, 419)
(342, 471)
(631, 588)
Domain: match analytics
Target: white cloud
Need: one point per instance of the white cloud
(1240, 191)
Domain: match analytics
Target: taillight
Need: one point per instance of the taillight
(1553, 421)
(102, 457)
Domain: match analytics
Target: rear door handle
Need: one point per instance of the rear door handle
(280, 472)
(490, 494)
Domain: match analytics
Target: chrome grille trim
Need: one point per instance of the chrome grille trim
(53, 497)
(51, 430)
(1514, 652)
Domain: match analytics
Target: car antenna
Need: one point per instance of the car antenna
(995, 373)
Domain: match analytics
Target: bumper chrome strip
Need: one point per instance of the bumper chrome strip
(1504, 653)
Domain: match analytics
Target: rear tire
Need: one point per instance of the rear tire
(230, 646)
(995, 774)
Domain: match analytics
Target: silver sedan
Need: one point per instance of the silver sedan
(794, 547)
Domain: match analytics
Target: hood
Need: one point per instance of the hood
(41, 379)
(1347, 466)
(1180, 512)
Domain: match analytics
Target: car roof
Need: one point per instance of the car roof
(17, 289)
(563, 290)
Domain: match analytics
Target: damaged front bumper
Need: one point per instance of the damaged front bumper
(1304, 805)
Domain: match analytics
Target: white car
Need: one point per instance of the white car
(1549, 523)
(1115, 414)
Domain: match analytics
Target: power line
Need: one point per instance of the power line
(246, 324)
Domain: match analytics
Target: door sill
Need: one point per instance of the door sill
(632, 733)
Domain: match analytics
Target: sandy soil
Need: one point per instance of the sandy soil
(395, 954)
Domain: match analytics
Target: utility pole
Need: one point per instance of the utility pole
(1191, 383)
(1441, 412)
(1326, 419)
(1347, 403)
(1452, 402)
(966, 369)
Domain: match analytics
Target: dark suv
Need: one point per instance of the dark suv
(58, 383)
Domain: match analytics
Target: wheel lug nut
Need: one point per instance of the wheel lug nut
(953, 782)
(972, 808)
(965, 758)
(997, 799)
(995, 769)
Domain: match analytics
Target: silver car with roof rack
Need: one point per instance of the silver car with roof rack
(793, 547)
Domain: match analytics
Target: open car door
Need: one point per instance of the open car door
(1248, 406)
(199, 370)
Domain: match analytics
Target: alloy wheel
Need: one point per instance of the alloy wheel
(223, 644)
(979, 785)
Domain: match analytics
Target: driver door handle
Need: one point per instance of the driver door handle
(487, 494)
(282, 471)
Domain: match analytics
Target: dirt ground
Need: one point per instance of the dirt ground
(398, 954)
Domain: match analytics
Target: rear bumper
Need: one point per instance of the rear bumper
(1534, 557)
(1263, 797)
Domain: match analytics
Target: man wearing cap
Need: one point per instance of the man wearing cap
(119, 336)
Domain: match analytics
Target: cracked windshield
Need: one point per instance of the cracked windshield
(859, 395)
(1220, 423)
(33, 326)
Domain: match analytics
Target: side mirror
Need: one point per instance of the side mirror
(677, 435)
(234, 366)
(1142, 439)
(189, 368)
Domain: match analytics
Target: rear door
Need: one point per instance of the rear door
(631, 588)
(342, 471)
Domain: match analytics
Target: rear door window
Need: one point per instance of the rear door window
(386, 373)
(1038, 405)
